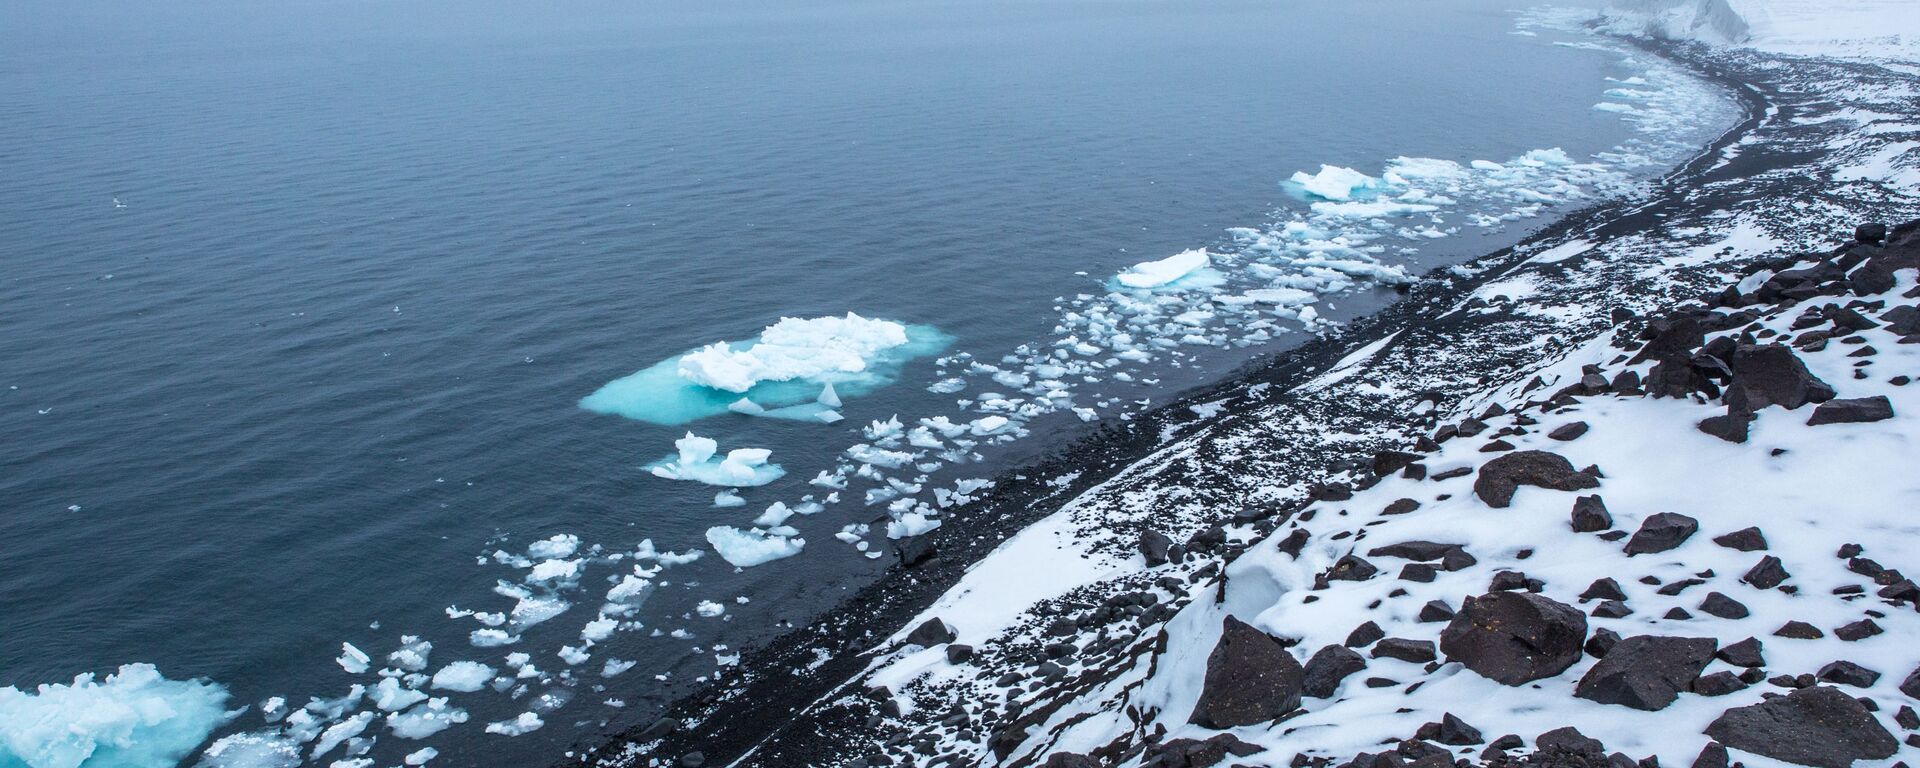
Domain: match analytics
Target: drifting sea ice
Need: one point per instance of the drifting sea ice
(135, 718)
(1167, 271)
(797, 369)
(742, 467)
(1334, 183)
(745, 549)
(463, 676)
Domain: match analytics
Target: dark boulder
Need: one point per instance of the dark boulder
(1590, 515)
(1848, 673)
(1766, 574)
(1646, 671)
(932, 633)
(1501, 477)
(1416, 651)
(1250, 679)
(1328, 667)
(1661, 532)
(1515, 637)
(1731, 427)
(1718, 604)
(1451, 731)
(1745, 653)
(1570, 431)
(1745, 540)
(1153, 546)
(1858, 410)
(1819, 726)
(1771, 374)
(1194, 753)
(1069, 760)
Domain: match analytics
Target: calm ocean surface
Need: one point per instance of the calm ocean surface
(297, 299)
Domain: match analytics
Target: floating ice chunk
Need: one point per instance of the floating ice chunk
(614, 667)
(255, 749)
(136, 715)
(728, 498)
(745, 549)
(1153, 274)
(910, 524)
(421, 756)
(390, 696)
(709, 609)
(339, 732)
(412, 656)
(660, 394)
(881, 430)
(776, 514)
(1286, 297)
(534, 609)
(743, 467)
(599, 629)
(353, 660)
(879, 457)
(1334, 182)
(463, 676)
(1371, 209)
(574, 656)
(425, 720)
(554, 547)
(526, 723)
(554, 570)
(793, 348)
(491, 638)
(987, 425)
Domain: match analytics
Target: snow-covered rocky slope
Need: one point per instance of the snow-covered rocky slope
(1075, 617)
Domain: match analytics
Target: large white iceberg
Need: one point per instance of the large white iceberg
(135, 718)
(793, 348)
(796, 369)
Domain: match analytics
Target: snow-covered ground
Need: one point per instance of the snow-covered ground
(1862, 29)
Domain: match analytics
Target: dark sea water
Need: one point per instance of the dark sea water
(297, 298)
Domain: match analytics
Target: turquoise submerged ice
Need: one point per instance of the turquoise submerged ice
(133, 719)
(781, 374)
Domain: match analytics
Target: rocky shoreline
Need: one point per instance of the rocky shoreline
(1156, 516)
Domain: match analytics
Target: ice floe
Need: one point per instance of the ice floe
(742, 467)
(134, 718)
(796, 369)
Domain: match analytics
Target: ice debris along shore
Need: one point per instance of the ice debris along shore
(1676, 544)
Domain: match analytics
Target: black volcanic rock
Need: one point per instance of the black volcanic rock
(1854, 411)
(1515, 637)
(1748, 539)
(1771, 374)
(1501, 477)
(1848, 673)
(1718, 604)
(1590, 515)
(1745, 653)
(1328, 667)
(1153, 546)
(1646, 671)
(933, 632)
(1818, 726)
(1766, 574)
(1417, 651)
(1250, 679)
(1661, 532)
